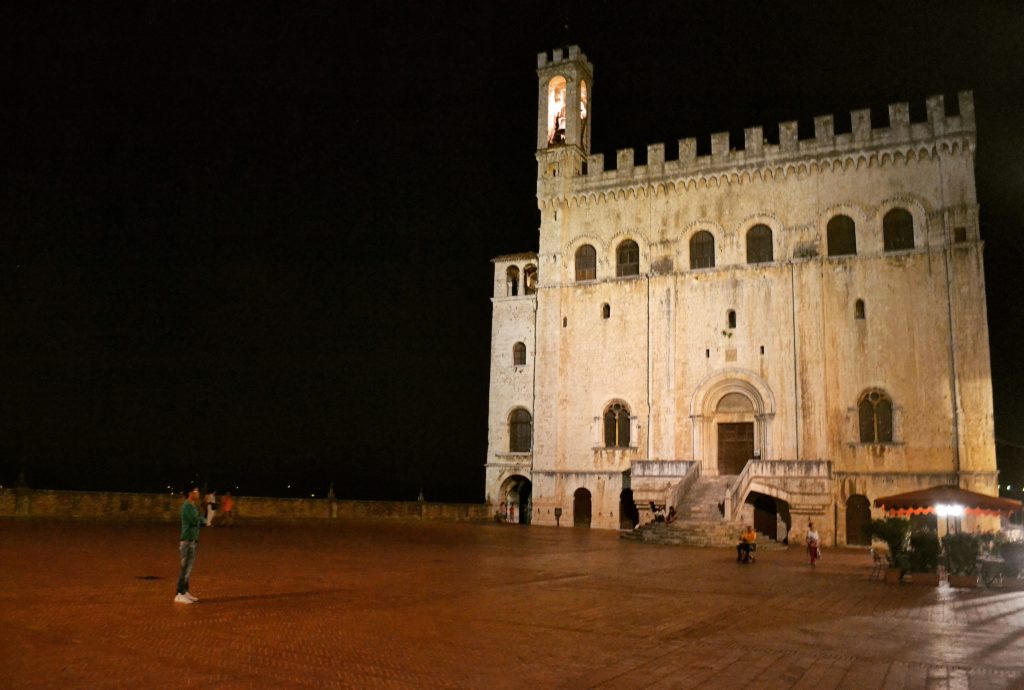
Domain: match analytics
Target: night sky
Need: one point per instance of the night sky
(249, 242)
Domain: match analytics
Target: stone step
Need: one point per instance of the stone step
(710, 535)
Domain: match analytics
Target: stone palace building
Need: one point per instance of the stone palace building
(781, 331)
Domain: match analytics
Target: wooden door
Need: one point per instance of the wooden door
(735, 446)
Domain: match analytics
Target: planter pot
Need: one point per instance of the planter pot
(963, 581)
(925, 579)
(1013, 583)
(893, 576)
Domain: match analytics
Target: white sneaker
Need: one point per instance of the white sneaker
(191, 598)
(182, 599)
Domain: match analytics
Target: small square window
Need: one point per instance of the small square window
(959, 234)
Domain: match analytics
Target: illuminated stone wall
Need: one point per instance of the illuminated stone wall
(797, 350)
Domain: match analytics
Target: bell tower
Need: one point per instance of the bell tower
(564, 86)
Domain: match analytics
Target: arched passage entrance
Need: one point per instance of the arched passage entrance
(771, 515)
(581, 508)
(517, 497)
(629, 515)
(858, 519)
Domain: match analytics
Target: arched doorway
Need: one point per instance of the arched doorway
(858, 520)
(771, 515)
(629, 515)
(581, 508)
(516, 500)
(735, 420)
(732, 412)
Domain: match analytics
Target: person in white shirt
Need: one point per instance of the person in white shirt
(211, 507)
(813, 543)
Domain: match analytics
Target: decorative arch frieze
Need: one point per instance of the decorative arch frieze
(570, 247)
(762, 217)
(702, 224)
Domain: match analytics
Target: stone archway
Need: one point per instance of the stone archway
(731, 411)
(629, 515)
(858, 520)
(516, 500)
(581, 509)
(771, 515)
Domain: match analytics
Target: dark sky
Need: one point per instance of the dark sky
(250, 242)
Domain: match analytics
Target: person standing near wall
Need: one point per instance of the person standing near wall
(227, 504)
(211, 507)
(190, 524)
(813, 543)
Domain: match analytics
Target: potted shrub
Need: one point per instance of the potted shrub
(924, 557)
(893, 531)
(1013, 566)
(961, 551)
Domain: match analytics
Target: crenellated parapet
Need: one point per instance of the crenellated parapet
(864, 145)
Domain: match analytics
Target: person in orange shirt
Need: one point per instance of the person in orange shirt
(744, 550)
(227, 504)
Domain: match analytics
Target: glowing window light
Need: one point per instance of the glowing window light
(944, 510)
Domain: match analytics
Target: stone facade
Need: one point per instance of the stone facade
(816, 306)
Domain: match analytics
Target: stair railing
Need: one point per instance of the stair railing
(735, 494)
(682, 487)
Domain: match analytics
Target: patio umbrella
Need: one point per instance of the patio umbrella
(924, 501)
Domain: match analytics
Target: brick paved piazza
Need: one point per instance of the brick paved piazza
(474, 606)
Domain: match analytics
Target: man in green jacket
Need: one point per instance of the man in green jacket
(190, 524)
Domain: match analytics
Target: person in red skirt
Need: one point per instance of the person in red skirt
(813, 543)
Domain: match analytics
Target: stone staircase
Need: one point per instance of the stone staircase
(700, 521)
(700, 504)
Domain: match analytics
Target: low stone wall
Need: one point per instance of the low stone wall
(107, 505)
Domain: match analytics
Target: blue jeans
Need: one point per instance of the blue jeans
(188, 558)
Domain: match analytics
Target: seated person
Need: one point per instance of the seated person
(747, 544)
(658, 513)
(672, 515)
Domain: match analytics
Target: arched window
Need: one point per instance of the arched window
(875, 413)
(842, 236)
(606, 311)
(702, 250)
(898, 230)
(518, 354)
(858, 309)
(759, 244)
(530, 280)
(627, 259)
(512, 281)
(616, 426)
(586, 263)
(520, 431)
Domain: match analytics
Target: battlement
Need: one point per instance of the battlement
(559, 55)
(756, 151)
